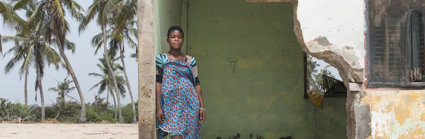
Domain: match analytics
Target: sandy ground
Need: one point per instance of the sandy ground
(68, 131)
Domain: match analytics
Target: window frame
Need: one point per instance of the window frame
(371, 54)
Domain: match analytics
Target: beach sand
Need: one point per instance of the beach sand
(68, 131)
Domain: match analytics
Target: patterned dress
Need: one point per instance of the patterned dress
(179, 100)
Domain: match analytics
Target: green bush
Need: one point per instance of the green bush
(15, 112)
(70, 112)
(127, 113)
(109, 117)
(97, 111)
(92, 115)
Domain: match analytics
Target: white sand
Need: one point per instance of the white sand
(68, 131)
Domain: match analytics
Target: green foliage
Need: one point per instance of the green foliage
(99, 114)
(68, 112)
(99, 106)
(98, 111)
(15, 112)
(127, 113)
(109, 117)
(63, 89)
(315, 77)
(92, 115)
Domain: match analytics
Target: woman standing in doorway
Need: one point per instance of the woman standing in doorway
(180, 107)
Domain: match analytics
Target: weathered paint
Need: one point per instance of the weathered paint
(219, 25)
(251, 72)
(240, 47)
(397, 113)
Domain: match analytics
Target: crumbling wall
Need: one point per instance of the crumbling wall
(397, 113)
(336, 31)
(330, 31)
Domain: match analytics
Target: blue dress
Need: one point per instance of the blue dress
(179, 100)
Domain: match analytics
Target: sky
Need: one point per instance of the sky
(83, 62)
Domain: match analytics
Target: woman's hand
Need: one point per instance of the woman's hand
(160, 115)
(202, 115)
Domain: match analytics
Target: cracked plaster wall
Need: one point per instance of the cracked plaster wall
(334, 31)
(397, 113)
(329, 25)
(339, 27)
(330, 31)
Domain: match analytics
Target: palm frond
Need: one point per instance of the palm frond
(22, 4)
(70, 45)
(52, 56)
(37, 14)
(97, 41)
(19, 55)
(75, 9)
(6, 38)
(95, 74)
(54, 89)
(27, 60)
(92, 11)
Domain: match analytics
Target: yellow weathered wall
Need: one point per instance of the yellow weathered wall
(396, 113)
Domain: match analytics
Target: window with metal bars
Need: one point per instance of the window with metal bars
(395, 44)
(415, 46)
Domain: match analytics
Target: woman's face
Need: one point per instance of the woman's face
(175, 39)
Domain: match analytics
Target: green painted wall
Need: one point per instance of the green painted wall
(251, 70)
(331, 119)
(168, 13)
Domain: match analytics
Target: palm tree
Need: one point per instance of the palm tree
(63, 89)
(101, 8)
(106, 83)
(50, 14)
(32, 50)
(12, 19)
(123, 21)
(116, 43)
(21, 53)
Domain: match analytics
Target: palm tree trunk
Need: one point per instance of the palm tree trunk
(107, 96)
(115, 104)
(63, 99)
(105, 54)
(26, 88)
(40, 88)
(128, 82)
(146, 68)
(74, 78)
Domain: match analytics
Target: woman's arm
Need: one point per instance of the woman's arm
(198, 89)
(159, 112)
(199, 92)
(201, 101)
(159, 72)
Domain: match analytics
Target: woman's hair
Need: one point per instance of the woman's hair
(172, 28)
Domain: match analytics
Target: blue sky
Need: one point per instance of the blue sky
(83, 62)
